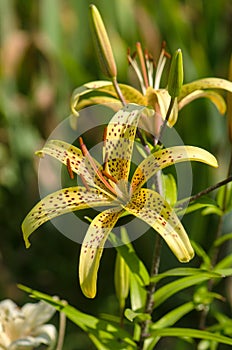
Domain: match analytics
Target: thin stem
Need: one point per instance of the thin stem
(204, 192)
(163, 126)
(62, 327)
(215, 251)
(157, 251)
(118, 91)
(151, 290)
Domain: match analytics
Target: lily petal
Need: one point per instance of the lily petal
(130, 94)
(61, 202)
(92, 248)
(79, 164)
(206, 83)
(150, 207)
(213, 96)
(166, 157)
(119, 140)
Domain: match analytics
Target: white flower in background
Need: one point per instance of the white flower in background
(24, 328)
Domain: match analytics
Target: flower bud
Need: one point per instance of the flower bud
(121, 280)
(176, 74)
(102, 43)
(229, 104)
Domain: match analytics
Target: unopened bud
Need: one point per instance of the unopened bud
(176, 74)
(121, 280)
(102, 43)
(229, 104)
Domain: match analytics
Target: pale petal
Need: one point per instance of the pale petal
(119, 140)
(130, 94)
(61, 202)
(206, 83)
(85, 89)
(150, 207)
(69, 154)
(37, 313)
(92, 248)
(166, 157)
(160, 101)
(43, 335)
(213, 96)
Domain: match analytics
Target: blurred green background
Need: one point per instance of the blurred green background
(47, 51)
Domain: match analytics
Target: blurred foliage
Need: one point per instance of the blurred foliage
(47, 51)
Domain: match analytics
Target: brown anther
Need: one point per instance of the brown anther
(110, 177)
(69, 168)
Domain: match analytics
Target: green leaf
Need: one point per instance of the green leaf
(136, 316)
(173, 316)
(224, 197)
(201, 203)
(180, 271)
(201, 253)
(169, 289)
(137, 294)
(135, 265)
(224, 263)
(107, 335)
(191, 333)
(222, 239)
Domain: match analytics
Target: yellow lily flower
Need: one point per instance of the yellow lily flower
(108, 185)
(99, 92)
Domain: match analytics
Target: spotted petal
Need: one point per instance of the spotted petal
(119, 140)
(65, 152)
(213, 96)
(206, 83)
(166, 157)
(61, 202)
(101, 89)
(92, 248)
(150, 207)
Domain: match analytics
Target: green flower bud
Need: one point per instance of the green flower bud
(121, 280)
(229, 104)
(102, 43)
(176, 74)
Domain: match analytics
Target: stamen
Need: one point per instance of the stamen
(94, 167)
(84, 182)
(135, 66)
(142, 63)
(68, 163)
(160, 67)
(149, 65)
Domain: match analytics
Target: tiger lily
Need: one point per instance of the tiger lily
(108, 185)
(99, 92)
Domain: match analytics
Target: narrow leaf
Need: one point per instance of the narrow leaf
(172, 288)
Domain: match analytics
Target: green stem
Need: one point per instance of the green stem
(118, 91)
(215, 251)
(151, 290)
(62, 327)
(157, 250)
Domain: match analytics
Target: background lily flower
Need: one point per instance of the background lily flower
(108, 185)
(24, 328)
(151, 93)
